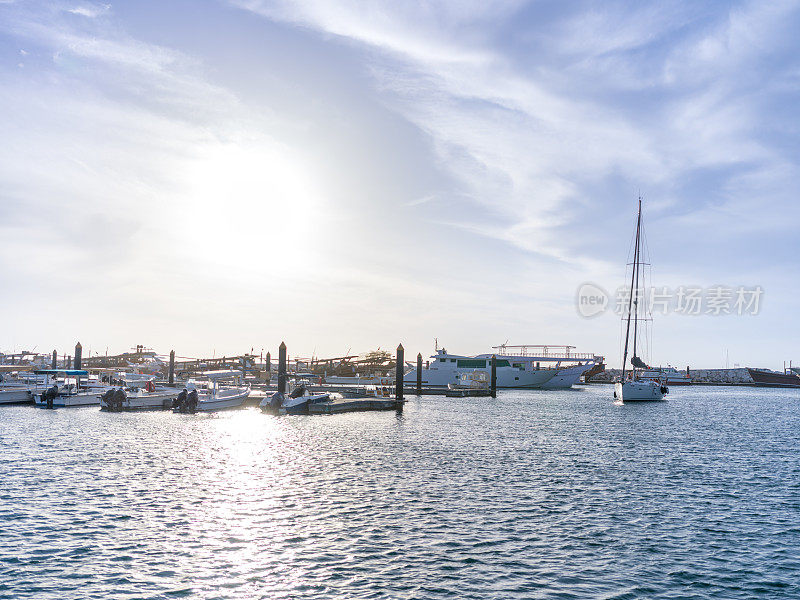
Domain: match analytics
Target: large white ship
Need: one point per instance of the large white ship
(446, 369)
(569, 365)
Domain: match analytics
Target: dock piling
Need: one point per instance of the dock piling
(282, 368)
(268, 361)
(419, 374)
(494, 376)
(171, 379)
(54, 364)
(398, 377)
(78, 352)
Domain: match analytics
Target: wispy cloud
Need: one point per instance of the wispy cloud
(526, 137)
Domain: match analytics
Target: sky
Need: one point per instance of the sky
(219, 176)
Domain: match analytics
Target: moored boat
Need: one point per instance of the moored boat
(667, 375)
(294, 403)
(446, 369)
(213, 394)
(63, 388)
(767, 378)
(633, 388)
(137, 394)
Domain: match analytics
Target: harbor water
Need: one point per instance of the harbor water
(537, 494)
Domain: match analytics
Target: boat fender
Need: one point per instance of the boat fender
(664, 389)
(615, 393)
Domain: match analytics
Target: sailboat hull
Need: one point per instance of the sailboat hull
(639, 391)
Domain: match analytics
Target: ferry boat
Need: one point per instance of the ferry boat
(570, 365)
(446, 369)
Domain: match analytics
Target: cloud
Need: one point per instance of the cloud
(532, 127)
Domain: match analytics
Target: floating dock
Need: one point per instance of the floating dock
(343, 405)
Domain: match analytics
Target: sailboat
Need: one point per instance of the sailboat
(631, 387)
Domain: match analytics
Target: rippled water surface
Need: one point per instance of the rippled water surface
(532, 495)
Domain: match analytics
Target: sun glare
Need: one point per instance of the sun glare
(240, 202)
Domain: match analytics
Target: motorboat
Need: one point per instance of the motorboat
(220, 390)
(294, 403)
(65, 388)
(20, 387)
(476, 380)
(137, 393)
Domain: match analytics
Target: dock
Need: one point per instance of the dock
(344, 405)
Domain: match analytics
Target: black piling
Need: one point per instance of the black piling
(78, 352)
(494, 376)
(282, 368)
(54, 364)
(269, 367)
(171, 379)
(419, 374)
(398, 377)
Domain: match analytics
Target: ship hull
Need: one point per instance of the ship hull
(770, 379)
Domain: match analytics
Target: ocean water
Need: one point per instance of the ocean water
(532, 495)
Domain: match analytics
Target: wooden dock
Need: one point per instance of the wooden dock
(467, 393)
(343, 405)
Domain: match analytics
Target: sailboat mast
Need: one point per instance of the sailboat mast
(630, 297)
(637, 262)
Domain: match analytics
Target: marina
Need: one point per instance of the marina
(435, 300)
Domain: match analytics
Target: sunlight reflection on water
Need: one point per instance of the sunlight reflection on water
(536, 494)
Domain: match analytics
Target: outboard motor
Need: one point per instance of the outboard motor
(180, 401)
(191, 402)
(105, 399)
(49, 395)
(119, 399)
(300, 390)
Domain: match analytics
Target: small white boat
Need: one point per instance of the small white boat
(66, 388)
(63, 389)
(295, 403)
(213, 395)
(668, 375)
(137, 393)
(476, 380)
(20, 388)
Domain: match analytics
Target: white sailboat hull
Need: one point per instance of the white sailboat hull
(639, 391)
